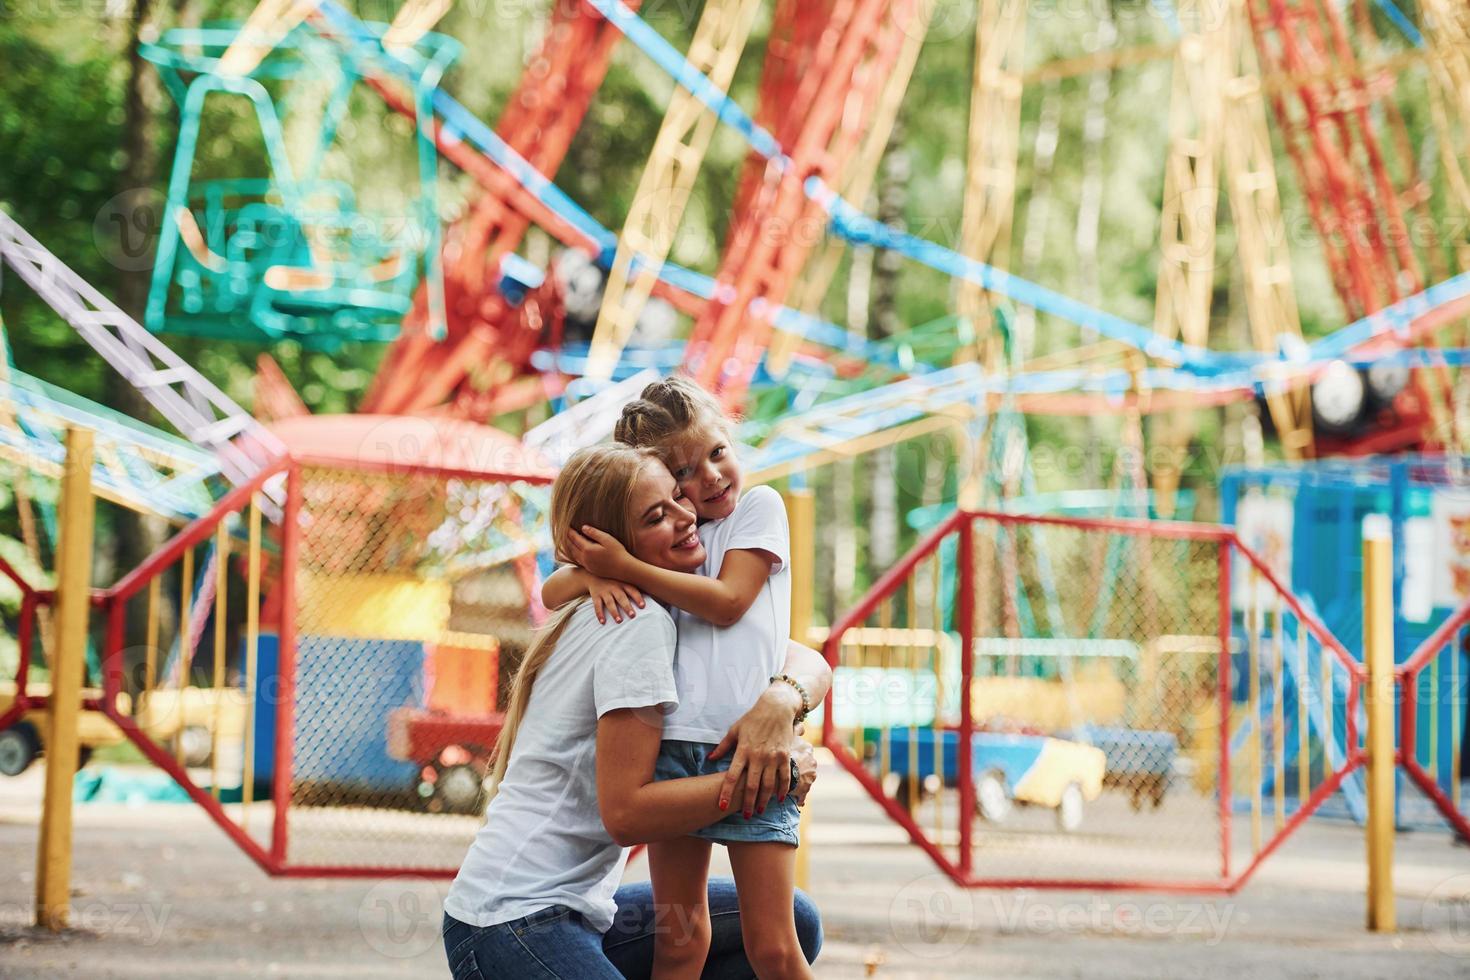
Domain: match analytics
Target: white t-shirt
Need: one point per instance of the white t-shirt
(543, 842)
(721, 671)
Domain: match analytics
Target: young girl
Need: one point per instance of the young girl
(732, 634)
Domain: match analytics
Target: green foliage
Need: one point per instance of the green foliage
(61, 126)
(65, 85)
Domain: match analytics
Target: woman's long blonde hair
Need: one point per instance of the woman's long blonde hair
(595, 487)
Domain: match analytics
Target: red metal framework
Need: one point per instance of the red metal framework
(1425, 669)
(31, 600)
(484, 332)
(1258, 629)
(1326, 124)
(114, 601)
(802, 42)
(358, 827)
(1330, 104)
(770, 243)
(1253, 629)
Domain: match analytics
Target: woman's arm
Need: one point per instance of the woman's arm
(636, 809)
(810, 669)
(608, 596)
(762, 737)
(720, 600)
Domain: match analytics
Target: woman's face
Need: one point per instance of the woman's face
(663, 525)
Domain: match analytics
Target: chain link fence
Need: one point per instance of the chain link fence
(415, 594)
(1434, 721)
(1305, 522)
(1059, 702)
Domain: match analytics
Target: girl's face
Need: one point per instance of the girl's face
(663, 525)
(704, 463)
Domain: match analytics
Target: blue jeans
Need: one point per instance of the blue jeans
(556, 944)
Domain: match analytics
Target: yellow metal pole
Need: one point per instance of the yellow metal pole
(1253, 624)
(150, 671)
(73, 597)
(186, 647)
(936, 576)
(1433, 709)
(1455, 721)
(1278, 718)
(1378, 653)
(252, 648)
(221, 592)
(992, 148)
(1303, 729)
(1328, 738)
(667, 182)
(801, 513)
(912, 663)
(885, 664)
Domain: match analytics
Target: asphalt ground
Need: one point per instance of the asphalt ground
(159, 891)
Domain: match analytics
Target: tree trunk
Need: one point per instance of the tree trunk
(884, 322)
(134, 535)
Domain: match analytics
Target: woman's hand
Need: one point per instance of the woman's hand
(599, 553)
(806, 766)
(761, 767)
(611, 597)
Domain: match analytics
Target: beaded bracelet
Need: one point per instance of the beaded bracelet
(806, 701)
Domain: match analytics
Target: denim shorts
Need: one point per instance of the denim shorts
(778, 823)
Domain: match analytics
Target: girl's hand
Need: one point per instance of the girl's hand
(610, 596)
(806, 766)
(761, 767)
(599, 553)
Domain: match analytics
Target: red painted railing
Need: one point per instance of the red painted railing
(981, 557)
(1409, 673)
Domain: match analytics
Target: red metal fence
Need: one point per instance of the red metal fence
(1037, 701)
(325, 689)
(27, 615)
(1432, 719)
(1115, 704)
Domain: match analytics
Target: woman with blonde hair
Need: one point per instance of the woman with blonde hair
(573, 783)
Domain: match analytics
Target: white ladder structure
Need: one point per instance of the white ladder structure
(202, 413)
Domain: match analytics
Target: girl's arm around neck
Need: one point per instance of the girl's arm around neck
(562, 586)
(609, 598)
(721, 600)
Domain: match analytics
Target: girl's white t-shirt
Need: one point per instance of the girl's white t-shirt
(721, 671)
(543, 842)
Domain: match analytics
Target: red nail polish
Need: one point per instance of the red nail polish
(724, 804)
(746, 814)
(760, 809)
